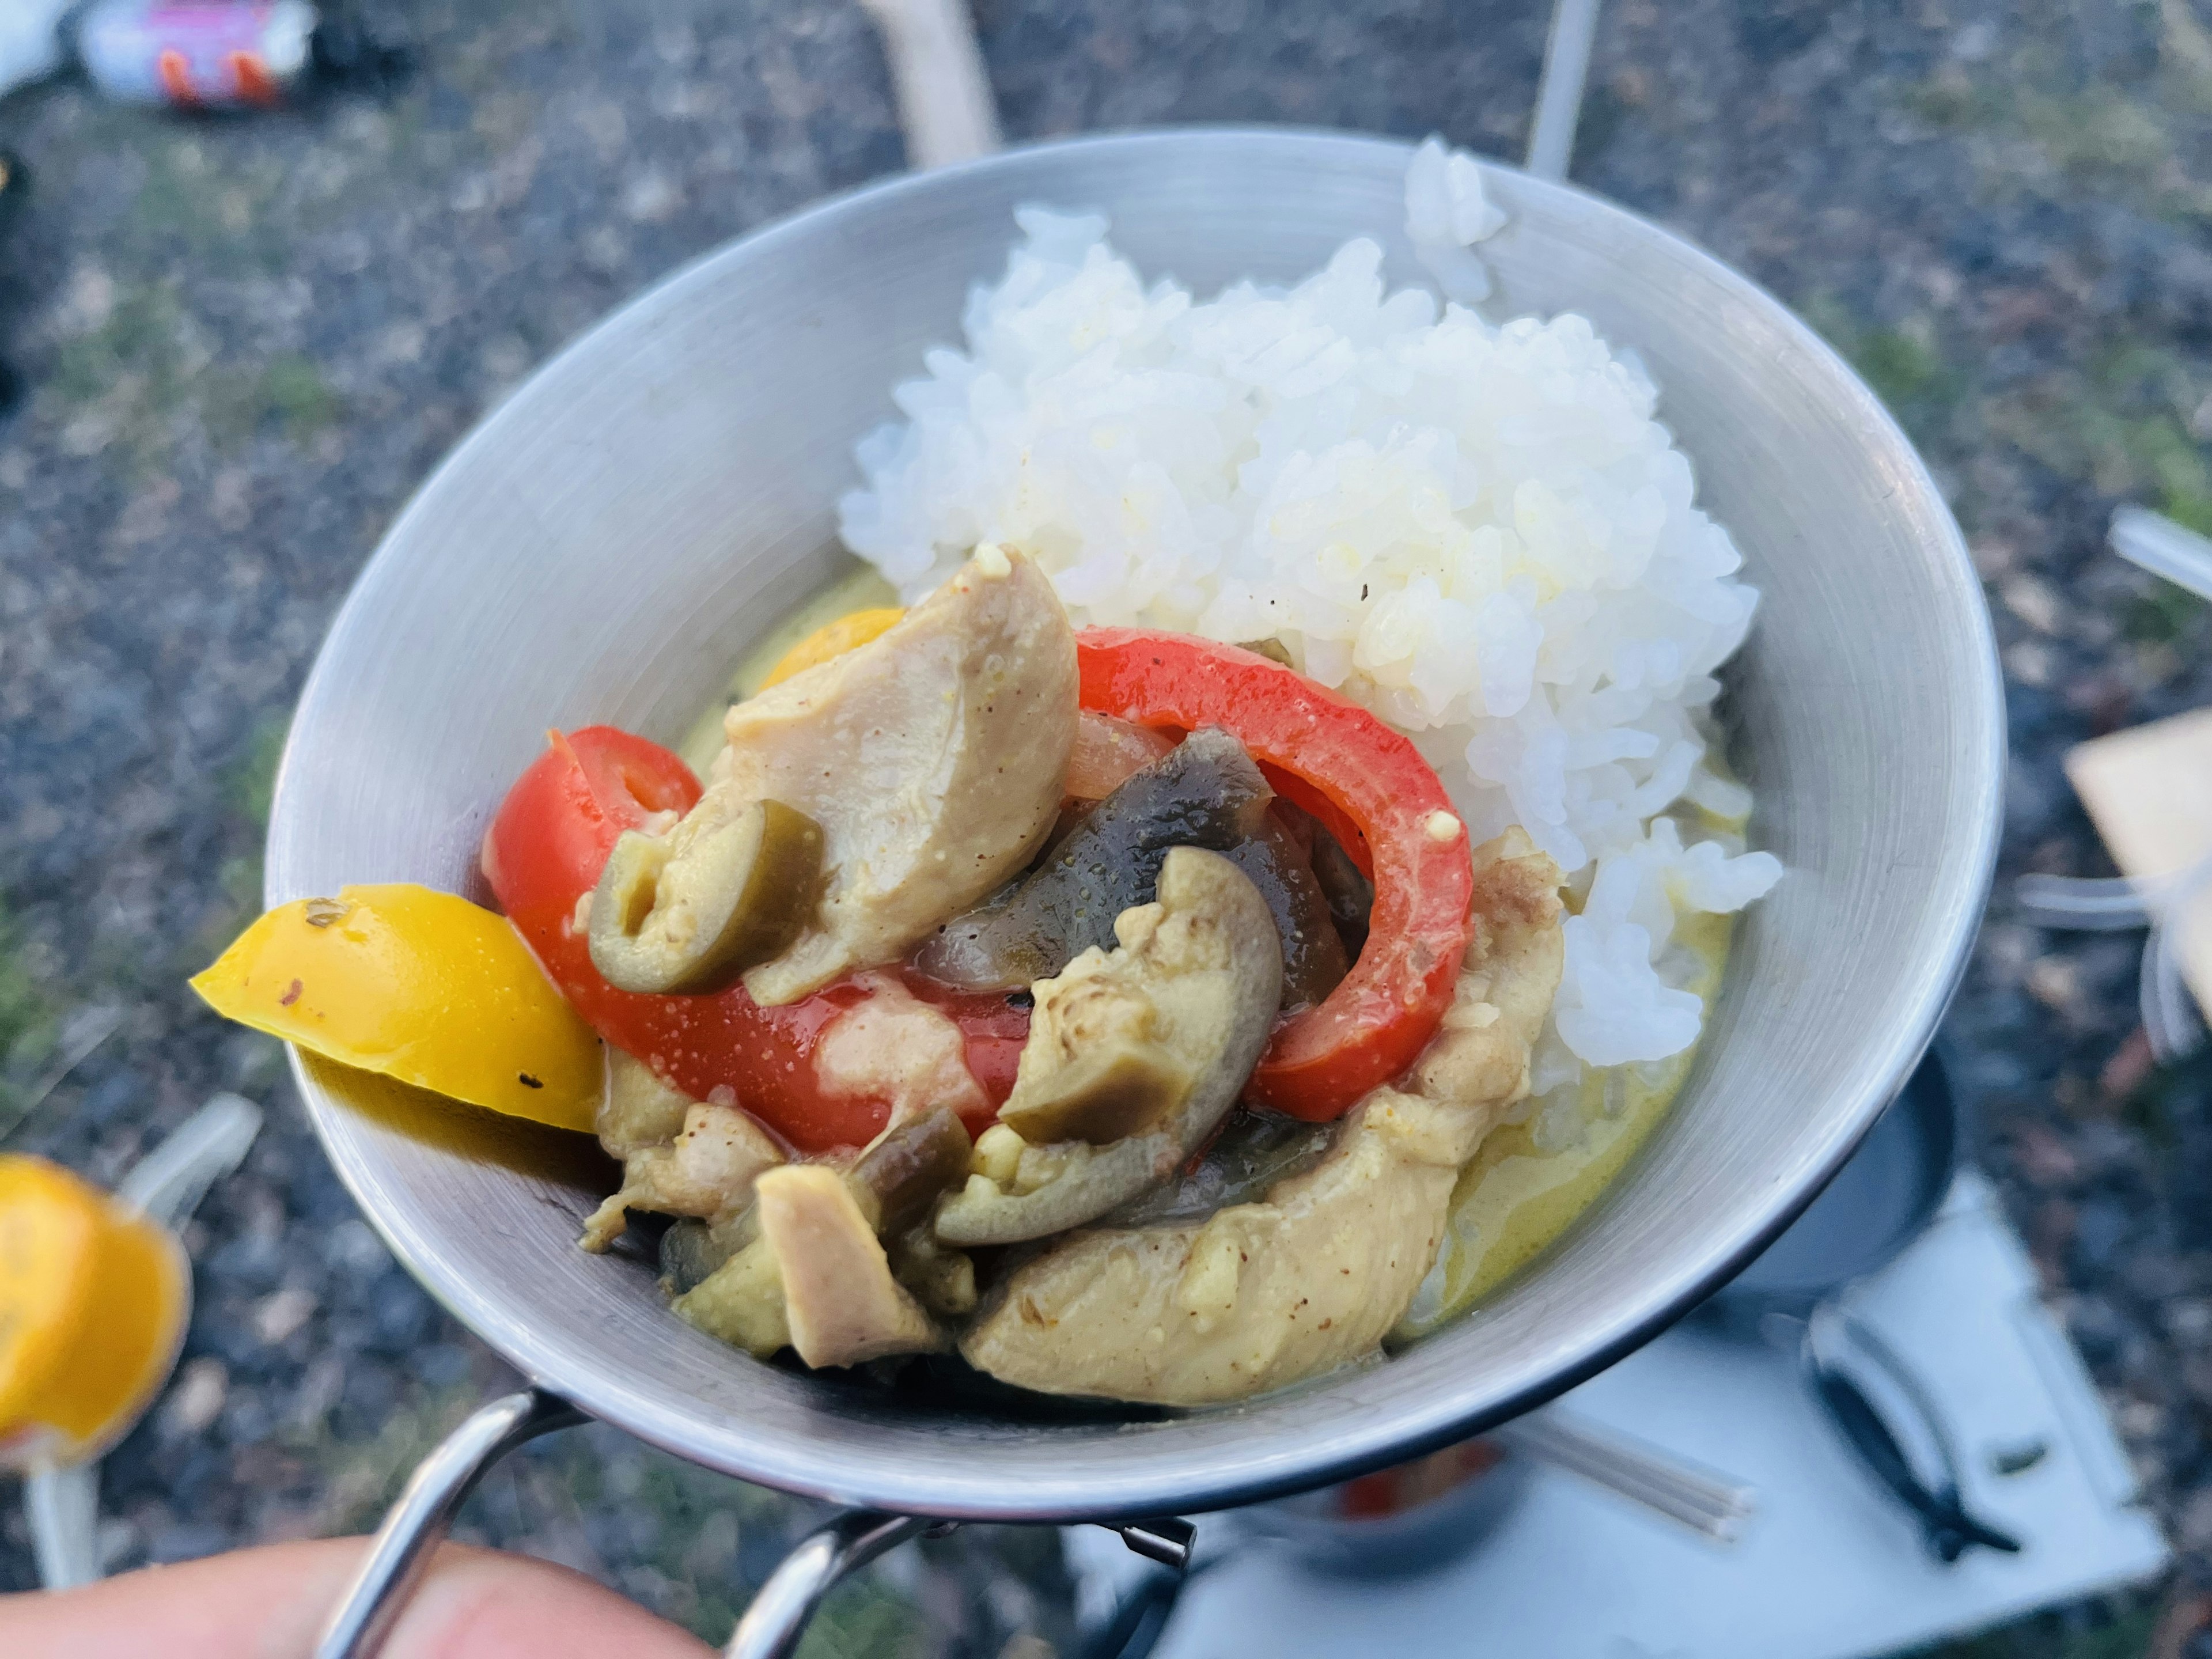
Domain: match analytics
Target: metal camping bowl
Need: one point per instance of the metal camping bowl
(610, 537)
(1878, 1204)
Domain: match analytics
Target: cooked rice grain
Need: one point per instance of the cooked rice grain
(1482, 533)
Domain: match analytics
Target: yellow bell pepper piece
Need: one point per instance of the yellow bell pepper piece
(92, 1299)
(421, 986)
(848, 633)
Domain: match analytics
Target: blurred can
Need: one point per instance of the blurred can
(227, 55)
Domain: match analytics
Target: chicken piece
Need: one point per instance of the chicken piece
(707, 1171)
(1263, 1295)
(1259, 1295)
(1133, 1058)
(1480, 1055)
(841, 1303)
(680, 1156)
(742, 1300)
(931, 758)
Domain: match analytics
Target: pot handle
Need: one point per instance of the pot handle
(771, 1626)
(415, 1524)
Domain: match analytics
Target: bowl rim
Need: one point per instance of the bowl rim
(796, 1463)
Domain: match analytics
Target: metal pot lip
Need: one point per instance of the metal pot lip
(797, 1463)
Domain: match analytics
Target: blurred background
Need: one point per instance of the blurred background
(236, 343)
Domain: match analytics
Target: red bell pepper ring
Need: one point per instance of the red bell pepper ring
(1369, 786)
(544, 851)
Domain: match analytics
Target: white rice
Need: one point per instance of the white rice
(1479, 532)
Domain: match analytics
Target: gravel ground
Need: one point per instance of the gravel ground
(243, 342)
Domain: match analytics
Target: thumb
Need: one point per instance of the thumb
(271, 1603)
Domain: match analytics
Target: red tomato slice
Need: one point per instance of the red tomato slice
(544, 851)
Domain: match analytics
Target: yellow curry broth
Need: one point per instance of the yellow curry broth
(1514, 1198)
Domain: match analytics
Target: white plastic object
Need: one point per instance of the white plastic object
(1715, 1506)
(62, 1503)
(168, 1183)
(1560, 92)
(2113, 904)
(2170, 1021)
(2180, 555)
(2163, 548)
(944, 94)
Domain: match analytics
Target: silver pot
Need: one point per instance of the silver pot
(608, 539)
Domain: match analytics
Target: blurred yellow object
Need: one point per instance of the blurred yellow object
(848, 633)
(419, 985)
(2149, 790)
(93, 1299)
